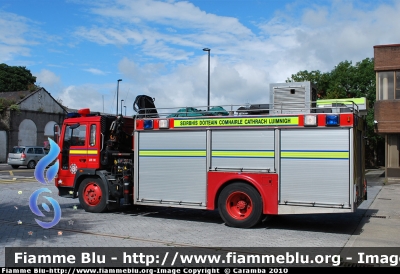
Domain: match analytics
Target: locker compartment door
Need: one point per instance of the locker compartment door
(172, 167)
(315, 167)
(253, 149)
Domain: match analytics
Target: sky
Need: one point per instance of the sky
(78, 49)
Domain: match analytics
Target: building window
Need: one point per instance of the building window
(389, 85)
(386, 85)
(397, 85)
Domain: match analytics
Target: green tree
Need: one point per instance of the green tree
(341, 83)
(16, 78)
(346, 81)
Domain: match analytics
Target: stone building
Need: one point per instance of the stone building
(387, 105)
(30, 119)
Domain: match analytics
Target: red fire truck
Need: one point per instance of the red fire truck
(291, 156)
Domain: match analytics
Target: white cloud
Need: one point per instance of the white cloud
(46, 77)
(314, 18)
(12, 36)
(110, 35)
(327, 35)
(157, 48)
(95, 71)
(18, 36)
(148, 23)
(243, 64)
(50, 81)
(142, 75)
(178, 14)
(84, 96)
(187, 85)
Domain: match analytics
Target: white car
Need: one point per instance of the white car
(25, 156)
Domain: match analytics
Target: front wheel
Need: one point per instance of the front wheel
(240, 205)
(92, 195)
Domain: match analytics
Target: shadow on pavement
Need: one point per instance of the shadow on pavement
(19, 228)
(341, 223)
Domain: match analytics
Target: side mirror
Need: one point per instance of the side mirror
(56, 133)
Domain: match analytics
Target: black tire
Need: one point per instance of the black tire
(14, 166)
(92, 195)
(240, 205)
(31, 164)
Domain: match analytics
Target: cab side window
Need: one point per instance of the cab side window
(38, 150)
(92, 135)
(30, 150)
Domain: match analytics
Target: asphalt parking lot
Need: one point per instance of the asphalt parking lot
(162, 227)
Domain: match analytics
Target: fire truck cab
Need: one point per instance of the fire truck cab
(295, 155)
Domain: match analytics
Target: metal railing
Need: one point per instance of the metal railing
(248, 109)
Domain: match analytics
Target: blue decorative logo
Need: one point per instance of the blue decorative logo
(50, 174)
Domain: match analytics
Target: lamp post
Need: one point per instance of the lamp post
(208, 98)
(125, 110)
(119, 80)
(121, 106)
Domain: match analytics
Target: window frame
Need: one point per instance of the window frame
(393, 85)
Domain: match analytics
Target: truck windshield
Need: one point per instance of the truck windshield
(75, 136)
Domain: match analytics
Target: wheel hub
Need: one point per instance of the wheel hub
(92, 194)
(241, 205)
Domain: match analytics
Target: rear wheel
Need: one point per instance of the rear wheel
(92, 195)
(240, 205)
(14, 166)
(31, 164)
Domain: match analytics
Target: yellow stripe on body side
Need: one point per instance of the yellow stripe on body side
(315, 154)
(244, 154)
(83, 151)
(172, 153)
(202, 153)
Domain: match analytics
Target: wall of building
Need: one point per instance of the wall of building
(32, 124)
(41, 101)
(3, 146)
(40, 119)
(387, 57)
(387, 116)
(387, 105)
